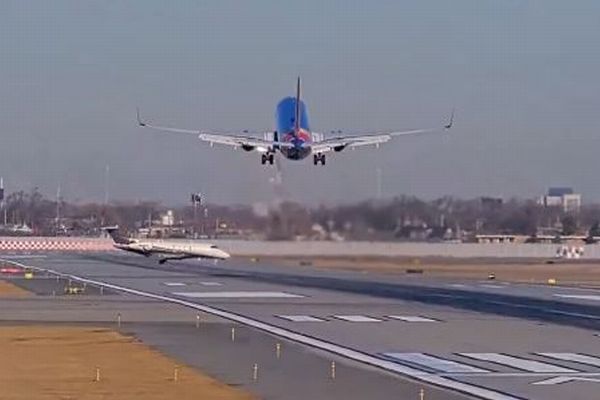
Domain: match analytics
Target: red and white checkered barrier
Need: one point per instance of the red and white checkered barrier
(42, 244)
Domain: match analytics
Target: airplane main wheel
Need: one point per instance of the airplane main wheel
(263, 159)
(271, 158)
(315, 159)
(323, 159)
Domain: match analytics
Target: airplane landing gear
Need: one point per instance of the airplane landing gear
(319, 158)
(267, 158)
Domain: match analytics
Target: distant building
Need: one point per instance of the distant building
(167, 219)
(563, 197)
(491, 203)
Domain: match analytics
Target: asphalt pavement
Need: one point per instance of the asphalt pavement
(492, 340)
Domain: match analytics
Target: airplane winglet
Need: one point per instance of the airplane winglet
(139, 119)
(451, 121)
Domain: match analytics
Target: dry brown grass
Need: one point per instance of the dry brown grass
(7, 289)
(536, 271)
(59, 363)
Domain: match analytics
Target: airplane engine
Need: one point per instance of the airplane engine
(339, 148)
(246, 147)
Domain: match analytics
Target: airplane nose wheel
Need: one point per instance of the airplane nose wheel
(319, 158)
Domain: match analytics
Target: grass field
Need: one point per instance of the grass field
(7, 289)
(59, 363)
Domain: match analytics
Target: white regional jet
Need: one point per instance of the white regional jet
(166, 250)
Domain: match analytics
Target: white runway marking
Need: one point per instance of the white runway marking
(435, 363)
(458, 285)
(518, 363)
(411, 318)
(357, 318)
(559, 380)
(174, 284)
(592, 297)
(301, 318)
(573, 357)
(493, 286)
(238, 295)
(440, 381)
(572, 314)
(211, 284)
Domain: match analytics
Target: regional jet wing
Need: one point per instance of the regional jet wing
(244, 140)
(341, 142)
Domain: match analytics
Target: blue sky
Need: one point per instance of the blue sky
(521, 74)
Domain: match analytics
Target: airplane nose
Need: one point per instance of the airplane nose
(223, 255)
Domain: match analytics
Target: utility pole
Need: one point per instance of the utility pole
(379, 183)
(106, 181)
(58, 209)
(2, 198)
(196, 203)
(204, 219)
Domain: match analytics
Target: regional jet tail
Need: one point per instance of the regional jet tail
(166, 250)
(293, 137)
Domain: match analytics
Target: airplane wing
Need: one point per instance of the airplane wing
(340, 143)
(244, 140)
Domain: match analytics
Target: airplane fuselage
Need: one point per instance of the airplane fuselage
(287, 130)
(172, 250)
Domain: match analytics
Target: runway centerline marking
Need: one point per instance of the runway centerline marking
(573, 314)
(238, 295)
(593, 297)
(211, 284)
(411, 318)
(301, 318)
(357, 318)
(174, 284)
(518, 363)
(349, 353)
(458, 285)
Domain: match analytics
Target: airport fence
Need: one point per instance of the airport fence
(257, 248)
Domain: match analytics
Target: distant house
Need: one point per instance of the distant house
(491, 203)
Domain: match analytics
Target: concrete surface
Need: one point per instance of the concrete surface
(448, 321)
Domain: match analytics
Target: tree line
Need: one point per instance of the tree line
(398, 218)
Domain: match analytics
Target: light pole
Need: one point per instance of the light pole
(57, 211)
(2, 198)
(196, 202)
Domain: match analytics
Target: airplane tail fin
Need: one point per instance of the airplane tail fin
(116, 236)
(298, 109)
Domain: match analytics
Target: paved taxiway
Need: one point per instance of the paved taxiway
(508, 341)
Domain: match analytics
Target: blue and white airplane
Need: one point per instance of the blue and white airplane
(293, 137)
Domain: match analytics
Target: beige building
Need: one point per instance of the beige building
(565, 198)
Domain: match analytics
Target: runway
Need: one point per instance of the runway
(490, 340)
